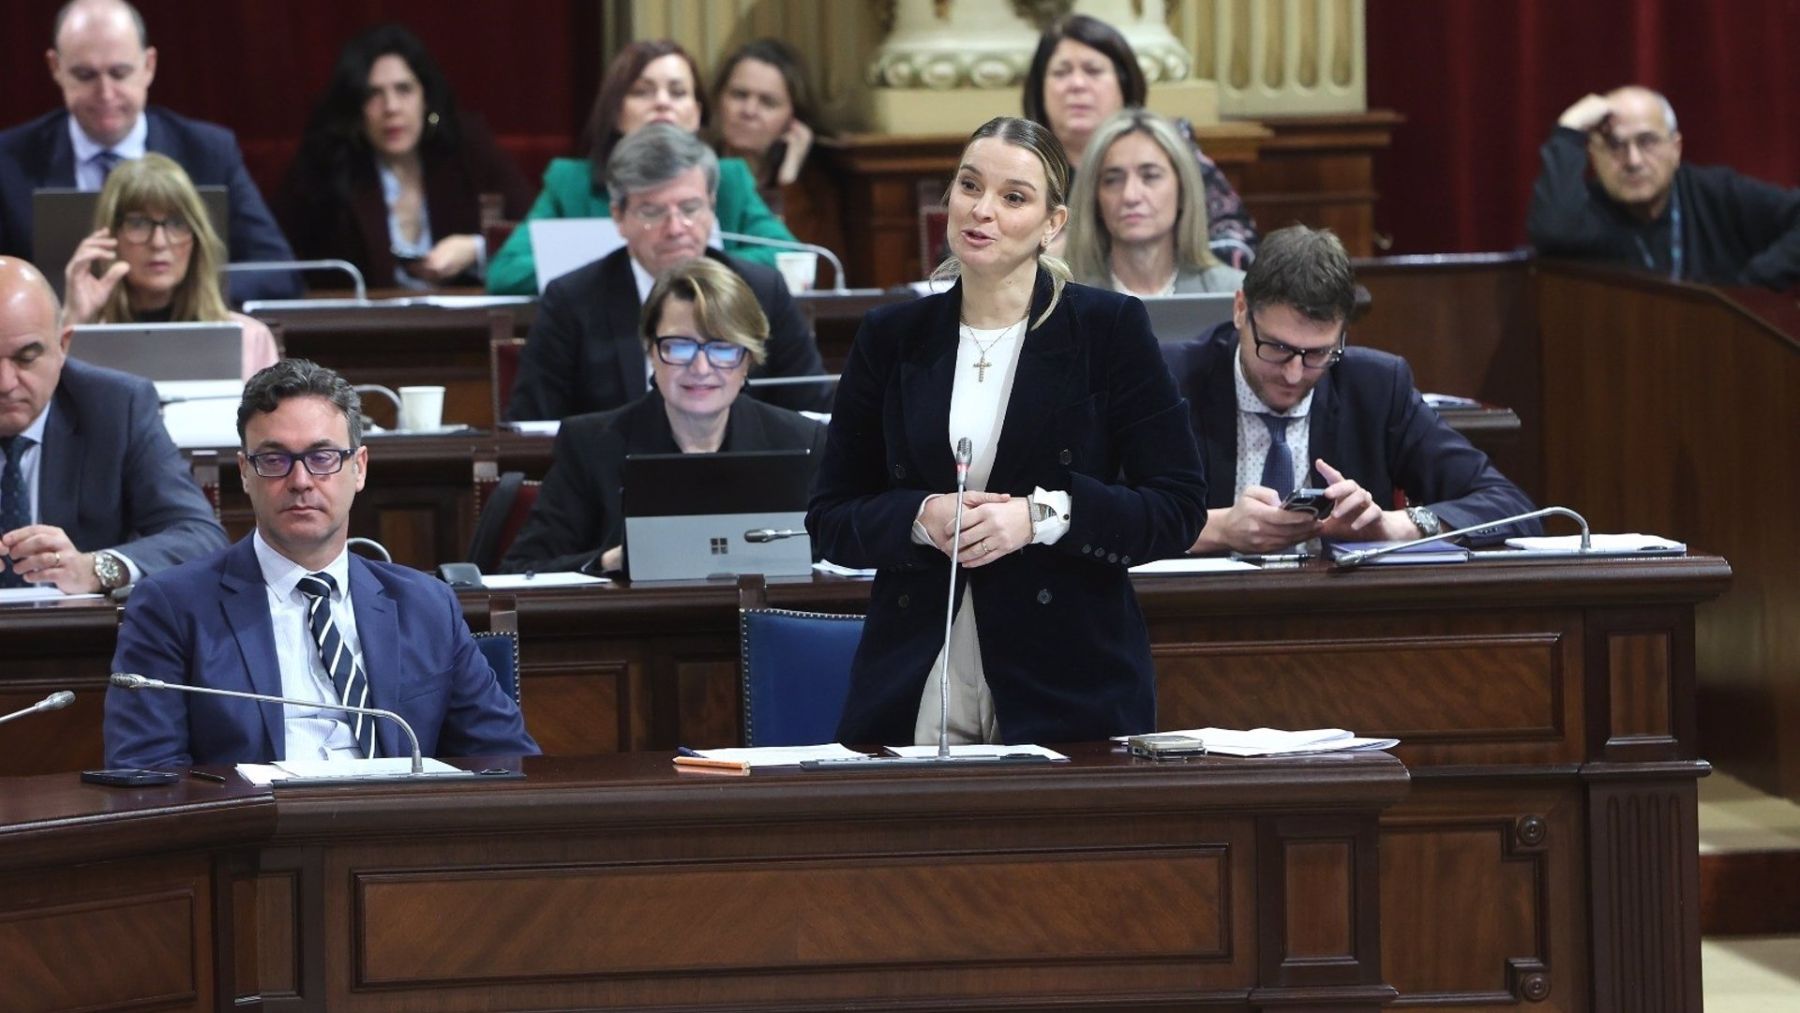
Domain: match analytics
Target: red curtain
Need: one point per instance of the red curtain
(1481, 83)
(528, 67)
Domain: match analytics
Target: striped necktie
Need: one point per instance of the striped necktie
(15, 505)
(106, 161)
(346, 675)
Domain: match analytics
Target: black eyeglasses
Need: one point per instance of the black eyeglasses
(679, 351)
(135, 228)
(278, 463)
(1311, 358)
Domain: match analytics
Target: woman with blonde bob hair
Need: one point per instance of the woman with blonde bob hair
(154, 257)
(1079, 462)
(1137, 220)
(701, 327)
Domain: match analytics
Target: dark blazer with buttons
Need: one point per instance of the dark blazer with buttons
(1093, 412)
(584, 353)
(40, 154)
(1367, 421)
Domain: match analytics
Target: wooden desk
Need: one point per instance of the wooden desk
(1546, 712)
(615, 883)
(397, 346)
(1648, 405)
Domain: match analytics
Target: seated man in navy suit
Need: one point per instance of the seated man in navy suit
(584, 353)
(102, 61)
(93, 494)
(288, 612)
(1280, 403)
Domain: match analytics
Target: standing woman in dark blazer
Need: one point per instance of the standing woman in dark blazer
(390, 175)
(1083, 464)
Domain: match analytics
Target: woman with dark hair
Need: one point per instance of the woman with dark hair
(1081, 462)
(650, 81)
(1082, 73)
(390, 176)
(763, 111)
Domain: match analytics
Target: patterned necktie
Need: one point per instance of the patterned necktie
(106, 162)
(346, 675)
(1278, 467)
(15, 506)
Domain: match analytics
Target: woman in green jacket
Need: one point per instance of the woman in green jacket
(651, 81)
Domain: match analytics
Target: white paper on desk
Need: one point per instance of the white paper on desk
(1450, 401)
(827, 566)
(979, 749)
(1194, 564)
(536, 427)
(381, 766)
(1612, 544)
(1277, 742)
(780, 756)
(464, 302)
(46, 592)
(555, 578)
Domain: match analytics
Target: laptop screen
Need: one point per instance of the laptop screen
(694, 516)
(1178, 318)
(62, 217)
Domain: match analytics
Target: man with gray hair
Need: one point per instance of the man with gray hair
(289, 612)
(1646, 210)
(584, 353)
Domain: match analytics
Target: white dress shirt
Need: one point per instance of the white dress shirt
(30, 470)
(88, 175)
(1253, 434)
(312, 733)
(977, 413)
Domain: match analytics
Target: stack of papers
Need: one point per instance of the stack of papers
(778, 756)
(1607, 544)
(1193, 564)
(1276, 742)
(553, 578)
(980, 750)
(386, 766)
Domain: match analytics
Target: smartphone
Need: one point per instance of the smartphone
(1309, 501)
(1166, 746)
(129, 777)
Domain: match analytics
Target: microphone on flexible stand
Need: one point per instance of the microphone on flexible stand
(760, 535)
(125, 680)
(787, 244)
(963, 453)
(1350, 560)
(54, 702)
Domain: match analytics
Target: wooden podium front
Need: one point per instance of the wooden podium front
(616, 883)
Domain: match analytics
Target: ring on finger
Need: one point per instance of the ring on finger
(56, 558)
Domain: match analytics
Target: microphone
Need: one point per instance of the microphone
(963, 454)
(760, 535)
(54, 702)
(787, 244)
(254, 266)
(125, 680)
(1351, 560)
(166, 401)
(788, 381)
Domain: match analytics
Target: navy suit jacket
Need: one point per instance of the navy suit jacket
(111, 478)
(207, 623)
(1093, 413)
(584, 353)
(1368, 422)
(39, 154)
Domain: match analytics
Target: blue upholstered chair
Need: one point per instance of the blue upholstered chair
(795, 673)
(500, 644)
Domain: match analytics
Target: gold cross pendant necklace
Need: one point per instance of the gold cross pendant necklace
(982, 365)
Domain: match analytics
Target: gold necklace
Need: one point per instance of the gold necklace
(982, 365)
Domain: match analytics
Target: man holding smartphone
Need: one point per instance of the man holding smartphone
(1319, 436)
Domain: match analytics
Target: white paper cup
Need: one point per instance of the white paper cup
(421, 408)
(799, 269)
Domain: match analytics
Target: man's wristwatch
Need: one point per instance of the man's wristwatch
(110, 570)
(1426, 521)
(1040, 512)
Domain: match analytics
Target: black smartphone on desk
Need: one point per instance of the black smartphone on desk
(129, 777)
